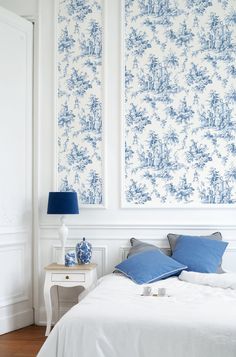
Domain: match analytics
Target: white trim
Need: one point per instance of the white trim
(104, 108)
(123, 203)
(24, 294)
(13, 242)
(15, 321)
(103, 205)
(29, 18)
(13, 230)
(122, 104)
(149, 233)
(181, 206)
(35, 194)
(123, 252)
(55, 96)
(168, 227)
(13, 299)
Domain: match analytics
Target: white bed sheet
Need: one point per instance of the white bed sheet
(115, 321)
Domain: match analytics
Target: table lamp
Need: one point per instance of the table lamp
(62, 203)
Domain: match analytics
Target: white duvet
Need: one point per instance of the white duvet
(114, 320)
(224, 281)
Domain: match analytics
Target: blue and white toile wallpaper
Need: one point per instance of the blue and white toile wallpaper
(180, 102)
(79, 102)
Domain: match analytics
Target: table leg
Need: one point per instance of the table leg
(48, 306)
(57, 306)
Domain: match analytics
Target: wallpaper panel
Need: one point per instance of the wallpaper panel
(179, 102)
(79, 99)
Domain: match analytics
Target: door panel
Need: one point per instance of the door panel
(15, 171)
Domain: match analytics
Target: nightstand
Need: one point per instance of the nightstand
(78, 275)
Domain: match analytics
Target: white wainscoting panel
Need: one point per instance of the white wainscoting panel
(124, 252)
(229, 259)
(12, 265)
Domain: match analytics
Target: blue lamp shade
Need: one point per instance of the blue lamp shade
(63, 203)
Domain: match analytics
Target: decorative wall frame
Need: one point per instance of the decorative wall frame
(178, 104)
(80, 100)
(18, 292)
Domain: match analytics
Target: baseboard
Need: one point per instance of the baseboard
(16, 321)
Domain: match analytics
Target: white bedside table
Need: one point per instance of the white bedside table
(78, 275)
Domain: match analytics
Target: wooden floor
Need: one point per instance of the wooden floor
(25, 342)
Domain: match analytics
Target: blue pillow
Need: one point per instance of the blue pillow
(199, 254)
(149, 266)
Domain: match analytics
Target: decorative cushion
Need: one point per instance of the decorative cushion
(202, 255)
(149, 266)
(138, 246)
(173, 238)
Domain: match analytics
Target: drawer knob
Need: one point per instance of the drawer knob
(67, 277)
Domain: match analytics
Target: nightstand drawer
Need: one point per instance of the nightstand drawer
(60, 277)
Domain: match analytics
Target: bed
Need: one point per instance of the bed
(114, 320)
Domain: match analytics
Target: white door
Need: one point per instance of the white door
(15, 172)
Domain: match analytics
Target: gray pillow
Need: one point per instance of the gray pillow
(138, 246)
(172, 238)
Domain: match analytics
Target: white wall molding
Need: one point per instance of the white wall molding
(162, 242)
(12, 230)
(20, 295)
(14, 299)
(12, 243)
(142, 226)
(123, 252)
(16, 320)
(126, 231)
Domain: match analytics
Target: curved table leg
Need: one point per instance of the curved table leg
(48, 306)
(57, 306)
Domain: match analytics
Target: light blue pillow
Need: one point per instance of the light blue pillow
(199, 254)
(149, 266)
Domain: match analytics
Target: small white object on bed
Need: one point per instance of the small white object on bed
(114, 320)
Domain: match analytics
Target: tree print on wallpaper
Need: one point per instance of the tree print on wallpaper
(179, 102)
(79, 102)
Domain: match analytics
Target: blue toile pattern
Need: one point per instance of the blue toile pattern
(79, 103)
(179, 102)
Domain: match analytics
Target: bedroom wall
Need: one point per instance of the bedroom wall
(108, 228)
